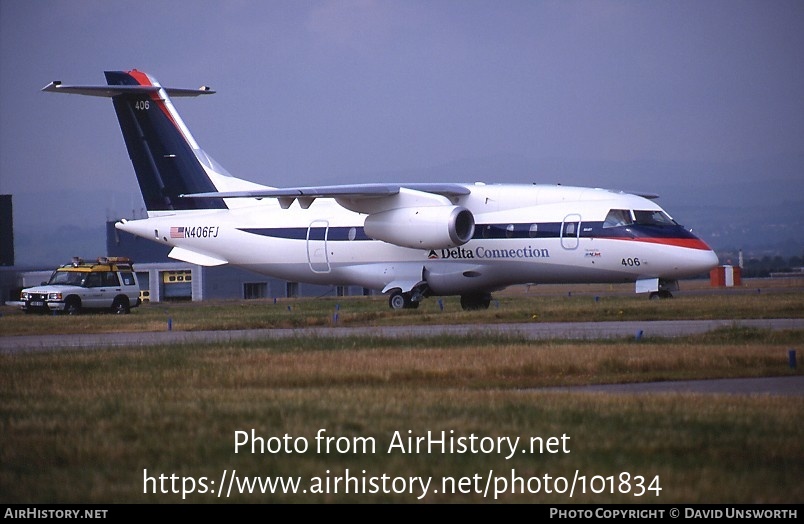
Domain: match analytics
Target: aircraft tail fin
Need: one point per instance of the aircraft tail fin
(167, 160)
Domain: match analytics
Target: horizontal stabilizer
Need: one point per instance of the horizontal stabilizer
(110, 91)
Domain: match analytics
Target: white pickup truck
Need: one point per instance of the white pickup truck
(110, 283)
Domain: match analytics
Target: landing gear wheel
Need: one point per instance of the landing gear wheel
(399, 300)
(475, 301)
(663, 293)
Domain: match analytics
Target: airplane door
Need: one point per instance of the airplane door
(317, 246)
(571, 231)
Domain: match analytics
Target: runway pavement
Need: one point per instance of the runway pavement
(788, 386)
(535, 331)
(785, 386)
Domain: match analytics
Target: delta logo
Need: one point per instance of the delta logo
(457, 253)
(481, 252)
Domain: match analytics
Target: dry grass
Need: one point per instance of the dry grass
(373, 311)
(83, 426)
(89, 426)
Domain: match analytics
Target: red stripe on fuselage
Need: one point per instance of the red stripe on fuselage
(689, 243)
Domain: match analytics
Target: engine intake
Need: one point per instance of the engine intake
(429, 227)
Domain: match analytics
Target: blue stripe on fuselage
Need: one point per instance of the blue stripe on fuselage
(491, 231)
(316, 233)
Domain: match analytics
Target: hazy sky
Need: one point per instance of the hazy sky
(313, 92)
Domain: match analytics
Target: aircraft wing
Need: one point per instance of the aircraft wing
(361, 198)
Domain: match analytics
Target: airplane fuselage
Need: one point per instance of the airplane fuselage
(409, 240)
(523, 234)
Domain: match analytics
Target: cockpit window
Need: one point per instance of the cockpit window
(618, 217)
(653, 218)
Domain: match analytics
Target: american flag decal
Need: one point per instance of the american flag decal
(176, 232)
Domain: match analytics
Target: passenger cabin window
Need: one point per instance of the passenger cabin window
(653, 218)
(618, 217)
(110, 279)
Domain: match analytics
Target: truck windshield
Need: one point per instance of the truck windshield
(69, 278)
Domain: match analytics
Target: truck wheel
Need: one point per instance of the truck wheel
(120, 306)
(72, 307)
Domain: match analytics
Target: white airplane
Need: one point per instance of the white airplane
(410, 241)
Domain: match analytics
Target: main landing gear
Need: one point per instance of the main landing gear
(475, 301)
(470, 302)
(665, 289)
(399, 300)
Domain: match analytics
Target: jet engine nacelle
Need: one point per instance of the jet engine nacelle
(427, 227)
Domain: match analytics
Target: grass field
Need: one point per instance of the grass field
(518, 304)
(162, 424)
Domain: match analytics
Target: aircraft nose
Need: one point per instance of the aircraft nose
(706, 260)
